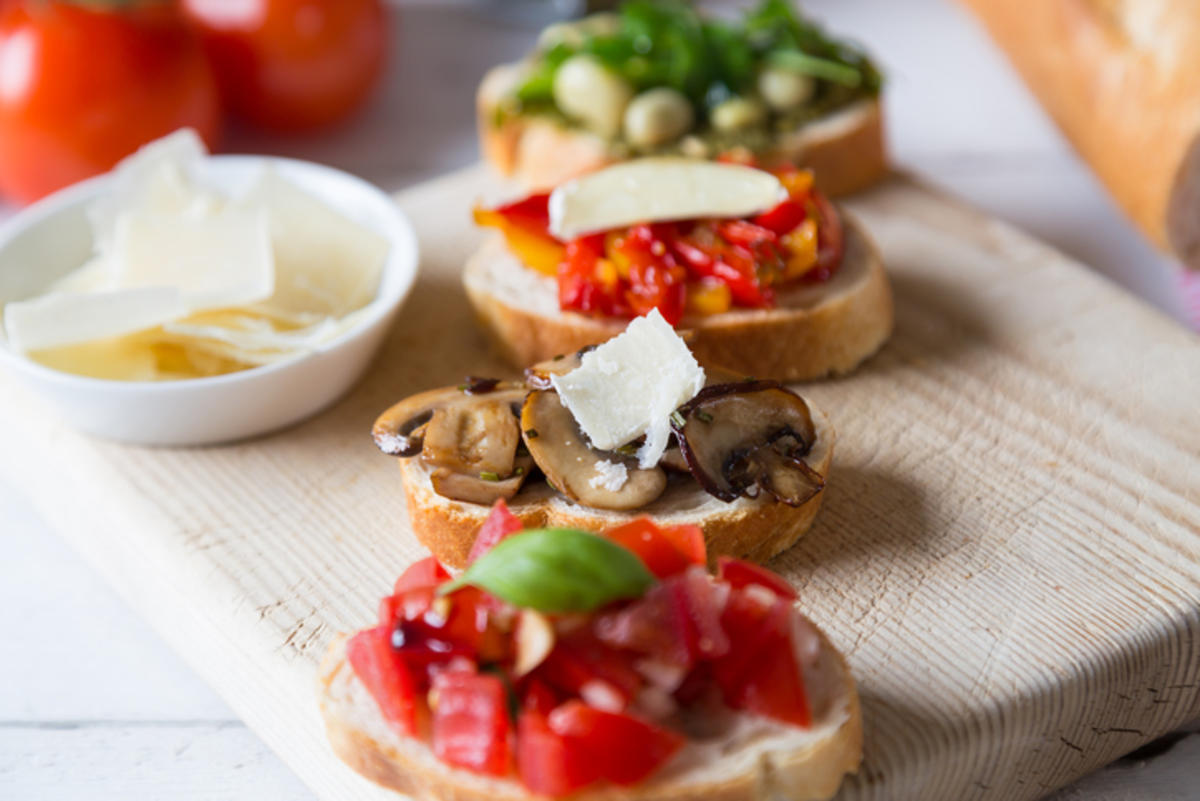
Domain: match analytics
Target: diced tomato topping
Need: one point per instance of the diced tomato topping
(538, 696)
(831, 239)
(426, 573)
(739, 573)
(784, 217)
(589, 282)
(677, 621)
(665, 552)
(729, 266)
(548, 763)
(745, 233)
(385, 676)
(470, 721)
(579, 659)
(532, 211)
(761, 673)
(624, 749)
(500, 523)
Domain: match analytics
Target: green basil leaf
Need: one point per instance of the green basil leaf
(557, 570)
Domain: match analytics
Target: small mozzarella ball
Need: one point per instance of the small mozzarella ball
(657, 116)
(783, 89)
(738, 113)
(575, 33)
(587, 91)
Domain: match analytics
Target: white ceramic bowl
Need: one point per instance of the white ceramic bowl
(52, 237)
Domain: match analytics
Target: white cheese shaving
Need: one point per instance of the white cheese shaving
(609, 475)
(659, 189)
(69, 318)
(629, 386)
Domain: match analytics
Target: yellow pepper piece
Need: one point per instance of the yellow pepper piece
(541, 253)
(606, 273)
(708, 297)
(798, 183)
(612, 249)
(801, 245)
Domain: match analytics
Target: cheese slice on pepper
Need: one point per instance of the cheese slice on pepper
(630, 385)
(660, 190)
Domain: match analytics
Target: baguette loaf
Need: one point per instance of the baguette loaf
(1122, 80)
(755, 529)
(845, 149)
(815, 330)
(754, 760)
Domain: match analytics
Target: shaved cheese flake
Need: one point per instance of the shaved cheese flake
(121, 358)
(66, 318)
(659, 190)
(324, 261)
(630, 385)
(219, 261)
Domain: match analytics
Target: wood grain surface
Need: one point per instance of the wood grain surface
(1009, 552)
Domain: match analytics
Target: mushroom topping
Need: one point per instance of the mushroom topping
(538, 376)
(400, 431)
(474, 488)
(479, 438)
(600, 479)
(749, 437)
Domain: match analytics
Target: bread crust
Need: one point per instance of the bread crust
(815, 331)
(755, 529)
(1122, 80)
(808, 771)
(847, 149)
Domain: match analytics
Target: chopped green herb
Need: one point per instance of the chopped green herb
(677, 419)
(488, 475)
(531, 433)
(519, 471)
(703, 416)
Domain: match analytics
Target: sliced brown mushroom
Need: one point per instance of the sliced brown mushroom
(538, 376)
(474, 488)
(400, 431)
(742, 438)
(473, 437)
(576, 469)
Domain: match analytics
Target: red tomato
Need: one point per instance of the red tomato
(624, 749)
(548, 763)
(81, 88)
(831, 239)
(739, 573)
(292, 65)
(470, 721)
(500, 523)
(426, 573)
(579, 659)
(385, 676)
(760, 673)
(665, 552)
(531, 212)
(784, 217)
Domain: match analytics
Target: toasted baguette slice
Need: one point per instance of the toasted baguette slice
(814, 331)
(845, 149)
(755, 760)
(755, 529)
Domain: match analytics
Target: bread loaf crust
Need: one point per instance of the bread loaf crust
(1122, 80)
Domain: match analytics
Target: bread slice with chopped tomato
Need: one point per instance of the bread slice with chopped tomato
(750, 528)
(846, 149)
(753, 760)
(815, 330)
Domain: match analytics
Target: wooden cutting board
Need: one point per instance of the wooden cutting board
(1009, 551)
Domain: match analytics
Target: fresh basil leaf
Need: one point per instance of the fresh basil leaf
(557, 570)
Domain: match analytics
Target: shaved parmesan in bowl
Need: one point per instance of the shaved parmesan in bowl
(197, 281)
(188, 299)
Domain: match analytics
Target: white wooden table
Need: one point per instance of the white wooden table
(94, 706)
